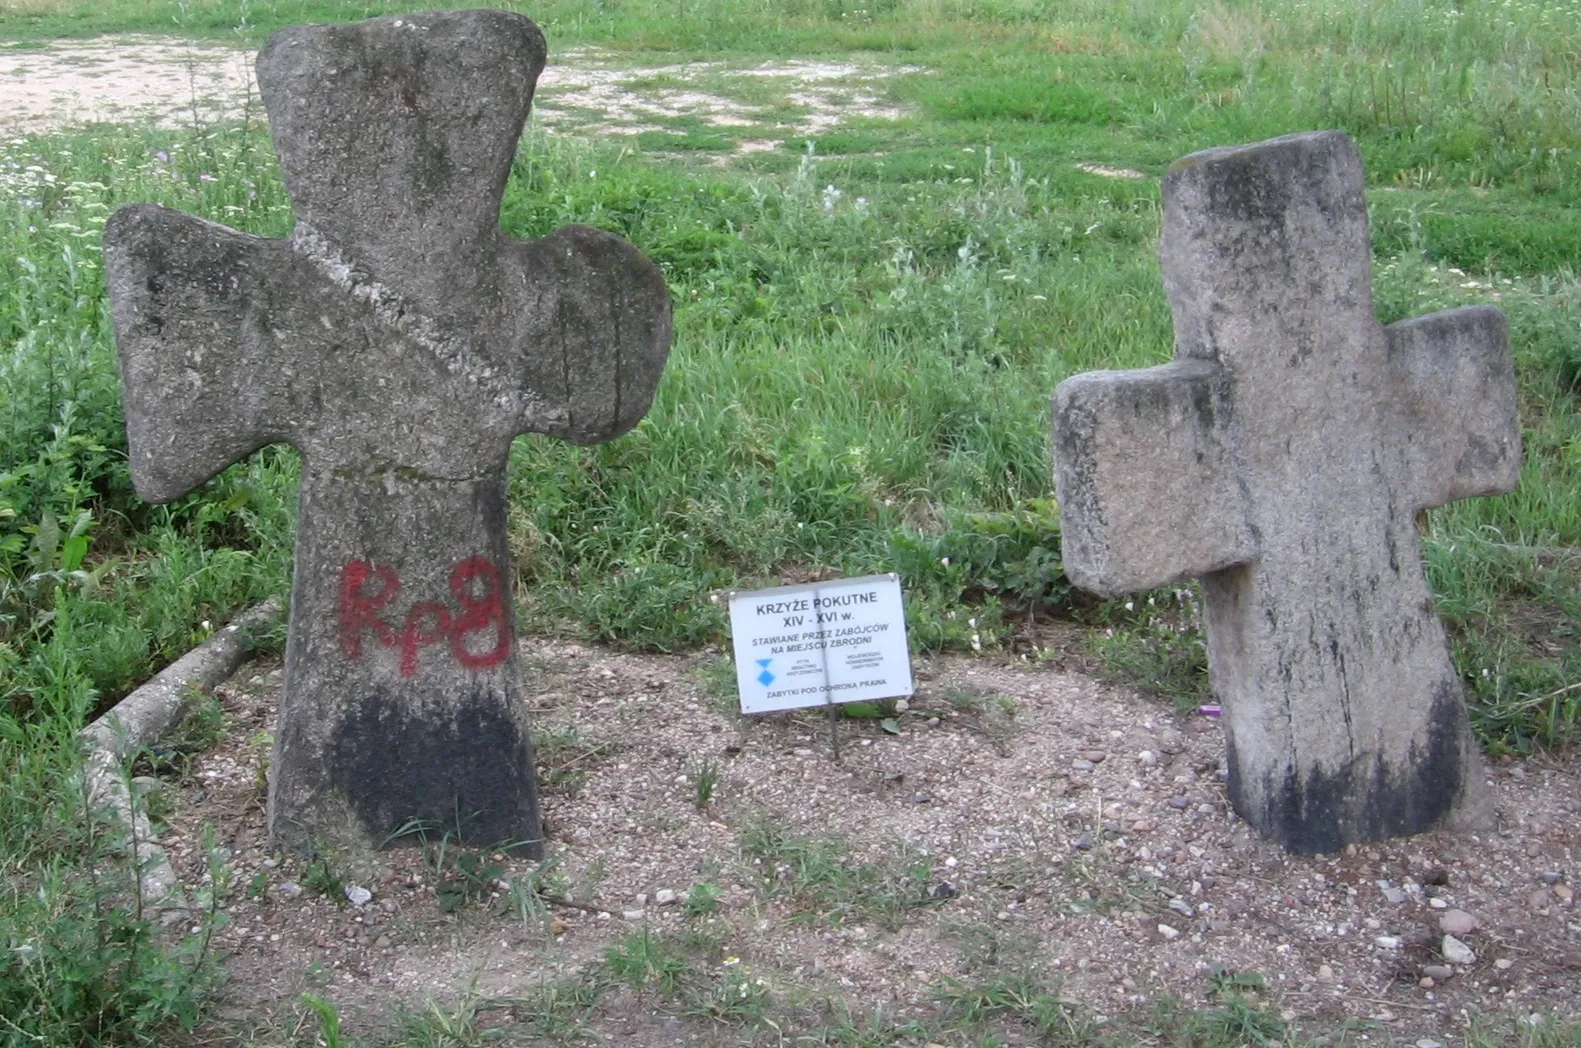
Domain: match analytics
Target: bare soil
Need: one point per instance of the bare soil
(1080, 826)
(175, 83)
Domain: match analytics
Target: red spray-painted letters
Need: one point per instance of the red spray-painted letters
(476, 585)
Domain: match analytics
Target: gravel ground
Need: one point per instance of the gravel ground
(1025, 807)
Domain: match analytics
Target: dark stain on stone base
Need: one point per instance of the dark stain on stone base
(468, 773)
(1357, 804)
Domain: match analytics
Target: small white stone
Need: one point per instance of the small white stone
(1456, 922)
(1437, 903)
(664, 897)
(1388, 942)
(1457, 952)
(1167, 932)
(633, 915)
(1148, 758)
(1503, 964)
(357, 895)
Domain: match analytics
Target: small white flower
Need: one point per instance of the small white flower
(945, 561)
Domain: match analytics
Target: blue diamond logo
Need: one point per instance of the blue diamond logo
(765, 678)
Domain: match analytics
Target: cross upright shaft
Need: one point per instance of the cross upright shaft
(1281, 458)
(400, 341)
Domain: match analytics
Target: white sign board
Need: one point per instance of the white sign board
(838, 641)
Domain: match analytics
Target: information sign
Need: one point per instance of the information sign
(820, 643)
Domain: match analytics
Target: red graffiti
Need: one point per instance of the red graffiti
(478, 588)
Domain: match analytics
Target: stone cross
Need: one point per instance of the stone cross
(1281, 458)
(400, 341)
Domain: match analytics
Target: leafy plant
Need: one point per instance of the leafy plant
(321, 875)
(643, 961)
(704, 778)
(471, 878)
(702, 900)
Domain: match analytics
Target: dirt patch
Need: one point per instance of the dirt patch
(121, 80)
(1020, 810)
(582, 91)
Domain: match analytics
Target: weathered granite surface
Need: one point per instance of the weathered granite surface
(1282, 458)
(400, 340)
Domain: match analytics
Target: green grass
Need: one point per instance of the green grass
(867, 338)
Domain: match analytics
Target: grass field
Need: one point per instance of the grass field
(869, 326)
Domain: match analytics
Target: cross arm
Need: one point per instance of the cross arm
(198, 381)
(1455, 380)
(596, 313)
(1146, 477)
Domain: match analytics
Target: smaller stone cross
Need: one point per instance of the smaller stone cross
(1282, 458)
(400, 341)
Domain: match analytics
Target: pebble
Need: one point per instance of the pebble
(1148, 758)
(1426, 982)
(1095, 756)
(1083, 843)
(1180, 906)
(1180, 803)
(1456, 922)
(1457, 952)
(1168, 932)
(633, 915)
(1438, 904)
(1388, 942)
(1438, 972)
(357, 895)
(933, 722)
(1503, 964)
(1552, 878)
(1539, 899)
(1428, 1043)
(664, 897)
(1325, 973)
(1394, 895)
(290, 890)
(382, 942)
(1562, 892)
(1082, 764)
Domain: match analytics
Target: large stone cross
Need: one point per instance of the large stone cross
(1282, 458)
(400, 341)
